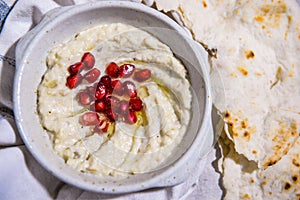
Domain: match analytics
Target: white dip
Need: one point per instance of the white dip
(133, 148)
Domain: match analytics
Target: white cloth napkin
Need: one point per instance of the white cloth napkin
(21, 177)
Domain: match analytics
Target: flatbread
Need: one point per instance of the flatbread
(244, 180)
(258, 48)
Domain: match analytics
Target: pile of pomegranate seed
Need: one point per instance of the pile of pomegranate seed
(110, 99)
(87, 62)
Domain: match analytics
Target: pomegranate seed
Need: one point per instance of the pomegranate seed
(100, 91)
(88, 60)
(129, 89)
(117, 87)
(84, 98)
(123, 107)
(102, 127)
(107, 98)
(130, 117)
(91, 90)
(76, 68)
(113, 116)
(142, 75)
(89, 119)
(126, 70)
(74, 80)
(136, 104)
(92, 75)
(92, 106)
(98, 130)
(113, 102)
(112, 70)
(106, 80)
(99, 105)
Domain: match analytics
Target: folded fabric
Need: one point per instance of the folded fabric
(23, 178)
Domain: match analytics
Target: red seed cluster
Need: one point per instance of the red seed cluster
(111, 98)
(87, 62)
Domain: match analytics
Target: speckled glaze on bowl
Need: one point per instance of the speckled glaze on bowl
(58, 26)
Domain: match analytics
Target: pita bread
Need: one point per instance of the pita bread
(259, 67)
(258, 48)
(244, 180)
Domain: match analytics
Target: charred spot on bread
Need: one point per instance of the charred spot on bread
(271, 162)
(226, 114)
(287, 186)
(295, 178)
(249, 54)
(296, 163)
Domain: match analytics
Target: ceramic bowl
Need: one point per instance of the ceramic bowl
(58, 26)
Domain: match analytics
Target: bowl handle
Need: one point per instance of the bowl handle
(25, 41)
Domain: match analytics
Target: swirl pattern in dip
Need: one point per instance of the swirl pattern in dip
(125, 148)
